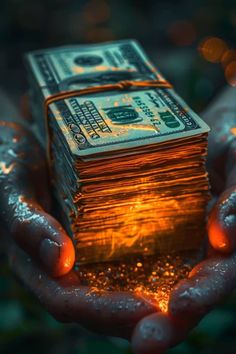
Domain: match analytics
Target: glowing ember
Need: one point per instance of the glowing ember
(151, 278)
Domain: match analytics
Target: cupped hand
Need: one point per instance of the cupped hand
(109, 313)
(215, 277)
(40, 250)
(24, 210)
(25, 201)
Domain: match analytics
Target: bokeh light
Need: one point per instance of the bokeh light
(182, 32)
(228, 56)
(96, 12)
(230, 73)
(212, 49)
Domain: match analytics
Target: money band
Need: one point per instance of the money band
(121, 85)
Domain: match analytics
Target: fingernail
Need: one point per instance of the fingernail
(49, 253)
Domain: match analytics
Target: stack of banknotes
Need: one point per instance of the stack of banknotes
(127, 166)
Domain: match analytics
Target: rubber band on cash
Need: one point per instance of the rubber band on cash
(121, 85)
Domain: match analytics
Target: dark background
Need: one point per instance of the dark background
(193, 44)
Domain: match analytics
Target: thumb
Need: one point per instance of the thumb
(222, 222)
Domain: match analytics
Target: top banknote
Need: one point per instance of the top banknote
(107, 122)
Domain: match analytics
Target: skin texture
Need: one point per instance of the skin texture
(24, 215)
(24, 208)
(25, 200)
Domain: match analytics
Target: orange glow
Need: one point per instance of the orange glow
(101, 68)
(233, 131)
(230, 73)
(159, 297)
(130, 230)
(212, 49)
(153, 282)
(78, 69)
(228, 56)
(113, 68)
(96, 12)
(67, 257)
(182, 32)
(216, 235)
(138, 225)
(126, 210)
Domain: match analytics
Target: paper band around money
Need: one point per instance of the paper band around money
(121, 85)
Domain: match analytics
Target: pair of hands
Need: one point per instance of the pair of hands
(25, 217)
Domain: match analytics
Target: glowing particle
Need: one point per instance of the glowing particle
(151, 281)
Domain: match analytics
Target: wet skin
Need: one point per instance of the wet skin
(24, 213)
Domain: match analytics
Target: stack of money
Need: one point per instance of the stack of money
(128, 166)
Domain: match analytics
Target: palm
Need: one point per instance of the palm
(124, 314)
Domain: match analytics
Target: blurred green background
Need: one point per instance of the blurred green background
(193, 44)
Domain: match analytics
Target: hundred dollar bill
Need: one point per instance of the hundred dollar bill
(106, 122)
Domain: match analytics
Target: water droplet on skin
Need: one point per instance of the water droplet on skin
(12, 153)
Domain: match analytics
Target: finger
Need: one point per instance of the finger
(156, 333)
(222, 222)
(208, 283)
(34, 230)
(111, 313)
(222, 120)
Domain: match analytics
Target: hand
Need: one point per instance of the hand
(214, 278)
(25, 201)
(190, 300)
(24, 214)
